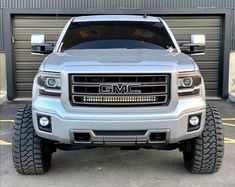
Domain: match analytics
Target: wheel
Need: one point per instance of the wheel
(31, 154)
(204, 154)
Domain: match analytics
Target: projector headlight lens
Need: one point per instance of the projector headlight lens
(51, 82)
(187, 82)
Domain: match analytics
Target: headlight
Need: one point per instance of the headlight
(189, 83)
(49, 84)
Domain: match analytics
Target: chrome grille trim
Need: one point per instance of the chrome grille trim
(119, 76)
(97, 87)
(154, 89)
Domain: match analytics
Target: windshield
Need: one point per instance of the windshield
(116, 34)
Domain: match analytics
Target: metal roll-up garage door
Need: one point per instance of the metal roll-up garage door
(209, 64)
(26, 65)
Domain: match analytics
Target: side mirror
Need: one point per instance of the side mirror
(197, 45)
(38, 45)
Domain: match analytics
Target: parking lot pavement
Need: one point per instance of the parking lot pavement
(113, 167)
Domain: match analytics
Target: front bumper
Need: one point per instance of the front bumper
(173, 121)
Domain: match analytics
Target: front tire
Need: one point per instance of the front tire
(204, 154)
(31, 154)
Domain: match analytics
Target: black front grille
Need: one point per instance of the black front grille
(120, 90)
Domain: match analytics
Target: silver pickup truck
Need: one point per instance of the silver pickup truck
(118, 80)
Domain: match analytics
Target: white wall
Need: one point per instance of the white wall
(232, 72)
(3, 86)
(232, 76)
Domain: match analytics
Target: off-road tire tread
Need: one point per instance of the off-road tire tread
(27, 147)
(208, 148)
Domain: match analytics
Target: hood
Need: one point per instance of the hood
(55, 62)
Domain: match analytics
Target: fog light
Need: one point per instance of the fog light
(44, 121)
(194, 120)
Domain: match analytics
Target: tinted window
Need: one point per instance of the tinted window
(116, 34)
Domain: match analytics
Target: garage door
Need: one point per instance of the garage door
(209, 64)
(26, 65)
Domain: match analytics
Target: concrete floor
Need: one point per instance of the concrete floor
(113, 167)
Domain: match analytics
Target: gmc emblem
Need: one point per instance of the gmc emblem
(119, 88)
